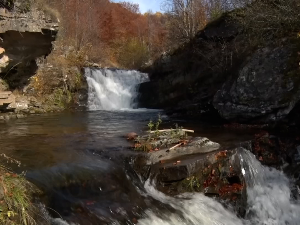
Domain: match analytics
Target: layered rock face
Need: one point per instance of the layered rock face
(26, 37)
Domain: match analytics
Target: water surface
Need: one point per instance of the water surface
(80, 161)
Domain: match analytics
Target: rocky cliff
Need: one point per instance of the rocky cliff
(228, 72)
(26, 37)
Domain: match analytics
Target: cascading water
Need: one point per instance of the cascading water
(113, 89)
(268, 198)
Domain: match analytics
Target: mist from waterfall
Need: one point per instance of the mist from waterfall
(113, 89)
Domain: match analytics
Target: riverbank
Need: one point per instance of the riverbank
(17, 204)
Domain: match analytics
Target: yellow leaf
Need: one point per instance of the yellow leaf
(10, 214)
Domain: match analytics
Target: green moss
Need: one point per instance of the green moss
(59, 100)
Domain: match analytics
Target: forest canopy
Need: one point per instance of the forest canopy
(123, 37)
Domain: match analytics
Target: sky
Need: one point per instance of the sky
(146, 5)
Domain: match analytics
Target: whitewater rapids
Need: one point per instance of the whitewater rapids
(268, 198)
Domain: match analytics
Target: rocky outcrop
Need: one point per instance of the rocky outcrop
(187, 79)
(223, 74)
(7, 100)
(198, 165)
(24, 38)
(266, 88)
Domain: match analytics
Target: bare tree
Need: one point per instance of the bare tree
(186, 17)
(132, 7)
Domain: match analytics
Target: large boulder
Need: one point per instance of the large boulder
(228, 70)
(265, 90)
(197, 166)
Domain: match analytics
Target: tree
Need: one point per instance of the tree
(185, 18)
(132, 7)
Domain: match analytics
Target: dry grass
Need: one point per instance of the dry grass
(271, 18)
(16, 207)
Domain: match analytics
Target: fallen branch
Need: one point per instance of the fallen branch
(175, 146)
(168, 130)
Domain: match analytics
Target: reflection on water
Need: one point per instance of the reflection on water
(48, 140)
(77, 159)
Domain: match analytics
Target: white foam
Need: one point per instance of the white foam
(195, 209)
(113, 89)
(268, 198)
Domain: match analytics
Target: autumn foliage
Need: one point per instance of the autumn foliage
(120, 35)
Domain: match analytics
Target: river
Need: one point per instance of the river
(81, 161)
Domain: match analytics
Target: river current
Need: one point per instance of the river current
(79, 161)
(82, 163)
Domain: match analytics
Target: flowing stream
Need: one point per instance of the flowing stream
(81, 162)
(269, 200)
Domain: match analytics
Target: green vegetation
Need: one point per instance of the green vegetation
(57, 85)
(157, 139)
(60, 98)
(132, 54)
(16, 207)
(155, 125)
(192, 184)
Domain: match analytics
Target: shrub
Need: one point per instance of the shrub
(271, 18)
(131, 53)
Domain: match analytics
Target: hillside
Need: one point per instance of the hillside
(242, 67)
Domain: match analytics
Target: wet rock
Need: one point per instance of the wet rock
(193, 165)
(196, 145)
(216, 174)
(88, 196)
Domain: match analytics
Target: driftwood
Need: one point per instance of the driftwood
(169, 130)
(198, 145)
(164, 142)
(175, 146)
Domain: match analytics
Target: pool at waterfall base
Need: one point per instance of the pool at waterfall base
(83, 165)
(81, 161)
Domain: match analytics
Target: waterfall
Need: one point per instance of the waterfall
(268, 198)
(113, 89)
